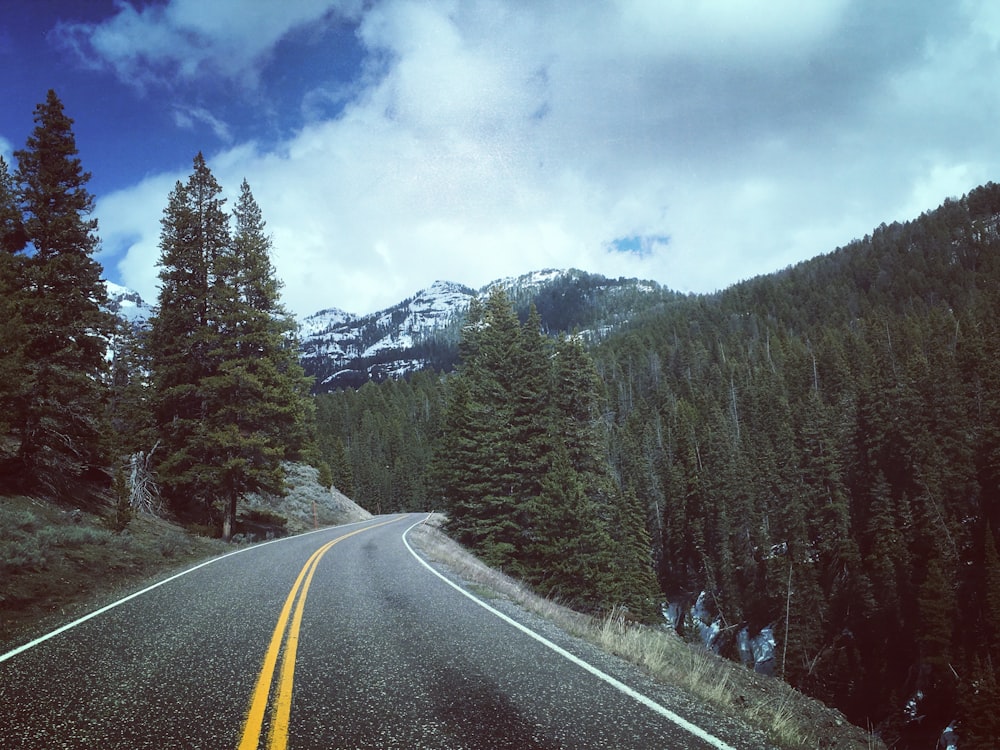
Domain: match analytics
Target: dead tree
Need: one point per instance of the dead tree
(144, 493)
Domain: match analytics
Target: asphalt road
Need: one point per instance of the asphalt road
(302, 643)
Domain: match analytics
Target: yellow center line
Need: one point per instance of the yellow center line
(278, 736)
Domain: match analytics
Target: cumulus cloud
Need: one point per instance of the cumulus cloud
(483, 139)
(129, 226)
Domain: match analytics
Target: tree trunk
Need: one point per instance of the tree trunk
(229, 519)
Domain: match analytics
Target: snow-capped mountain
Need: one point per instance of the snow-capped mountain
(422, 332)
(341, 350)
(128, 305)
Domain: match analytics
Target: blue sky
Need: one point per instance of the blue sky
(392, 143)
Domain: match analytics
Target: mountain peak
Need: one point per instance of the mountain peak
(422, 331)
(341, 349)
(128, 304)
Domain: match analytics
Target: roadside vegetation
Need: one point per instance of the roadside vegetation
(55, 561)
(789, 719)
(58, 562)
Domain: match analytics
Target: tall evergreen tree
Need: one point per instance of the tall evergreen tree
(12, 234)
(56, 411)
(260, 410)
(194, 234)
(524, 469)
(341, 474)
(634, 580)
(230, 397)
(13, 288)
(481, 487)
(461, 462)
(573, 551)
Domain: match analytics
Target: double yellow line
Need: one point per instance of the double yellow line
(277, 738)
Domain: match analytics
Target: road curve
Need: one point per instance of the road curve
(340, 638)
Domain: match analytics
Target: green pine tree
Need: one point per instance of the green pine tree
(635, 582)
(13, 290)
(194, 233)
(461, 463)
(980, 721)
(231, 399)
(935, 604)
(12, 234)
(341, 473)
(571, 548)
(57, 410)
(260, 412)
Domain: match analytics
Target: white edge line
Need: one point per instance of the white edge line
(621, 686)
(70, 625)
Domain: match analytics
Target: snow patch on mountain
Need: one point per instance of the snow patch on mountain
(344, 349)
(324, 321)
(341, 349)
(128, 305)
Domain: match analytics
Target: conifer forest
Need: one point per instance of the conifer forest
(815, 451)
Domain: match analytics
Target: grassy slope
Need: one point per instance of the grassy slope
(58, 563)
(54, 561)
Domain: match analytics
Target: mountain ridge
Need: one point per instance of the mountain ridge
(421, 332)
(342, 349)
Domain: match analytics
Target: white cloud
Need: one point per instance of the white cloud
(487, 139)
(129, 226)
(190, 38)
(719, 29)
(187, 117)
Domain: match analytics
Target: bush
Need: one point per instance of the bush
(173, 544)
(18, 519)
(206, 529)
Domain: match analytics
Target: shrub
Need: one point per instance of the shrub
(18, 519)
(173, 544)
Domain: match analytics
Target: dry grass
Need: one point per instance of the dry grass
(788, 718)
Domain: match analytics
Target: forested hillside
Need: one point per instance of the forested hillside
(817, 449)
(820, 449)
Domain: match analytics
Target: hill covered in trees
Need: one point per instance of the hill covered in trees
(817, 450)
